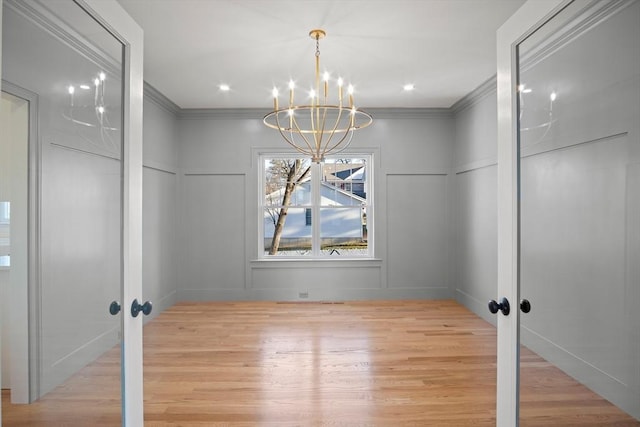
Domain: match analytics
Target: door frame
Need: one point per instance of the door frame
(531, 16)
(24, 331)
(115, 19)
(0, 89)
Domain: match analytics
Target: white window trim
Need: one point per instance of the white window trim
(316, 207)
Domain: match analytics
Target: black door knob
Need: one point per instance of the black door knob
(114, 308)
(145, 308)
(525, 306)
(503, 306)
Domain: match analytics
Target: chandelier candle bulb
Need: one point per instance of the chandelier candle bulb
(326, 85)
(291, 86)
(350, 96)
(102, 76)
(71, 92)
(275, 98)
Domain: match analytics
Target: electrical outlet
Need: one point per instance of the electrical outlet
(303, 294)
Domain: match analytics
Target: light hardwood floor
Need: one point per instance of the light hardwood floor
(392, 363)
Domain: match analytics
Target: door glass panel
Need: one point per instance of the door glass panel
(70, 69)
(579, 136)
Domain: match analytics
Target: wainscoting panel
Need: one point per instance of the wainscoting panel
(159, 245)
(579, 211)
(213, 226)
(417, 230)
(476, 254)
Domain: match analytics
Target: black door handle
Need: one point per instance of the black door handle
(503, 306)
(145, 308)
(114, 308)
(525, 306)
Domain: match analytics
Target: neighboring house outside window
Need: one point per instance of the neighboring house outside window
(307, 215)
(314, 210)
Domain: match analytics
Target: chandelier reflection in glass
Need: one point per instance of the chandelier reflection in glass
(537, 118)
(326, 124)
(91, 112)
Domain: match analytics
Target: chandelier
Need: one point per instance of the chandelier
(323, 126)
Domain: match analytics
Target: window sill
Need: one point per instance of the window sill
(280, 262)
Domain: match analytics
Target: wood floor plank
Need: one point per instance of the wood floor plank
(383, 363)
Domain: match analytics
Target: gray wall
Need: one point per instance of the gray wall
(159, 209)
(219, 212)
(475, 194)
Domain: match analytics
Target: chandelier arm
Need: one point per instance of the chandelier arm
(299, 131)
(333, 131)
(324, 121)
(317, 139)
(346, 145)
(291, 141)
(348, 133)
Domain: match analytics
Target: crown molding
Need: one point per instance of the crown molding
(485, 89)
(155, 96)
(584, 20)
(409, 113)
(258, 113)
(40, 15)
(222, 113)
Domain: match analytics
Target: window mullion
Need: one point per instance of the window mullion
(316, 177)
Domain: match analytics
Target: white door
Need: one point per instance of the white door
(569, 213)
(78, 64)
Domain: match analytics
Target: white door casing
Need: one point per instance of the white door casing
(0, 89)
(532, 15)
(114, 18)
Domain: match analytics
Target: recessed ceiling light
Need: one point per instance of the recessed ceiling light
(408, 87)
(225, 88)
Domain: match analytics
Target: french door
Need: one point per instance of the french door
(569, 213)
(77, 64)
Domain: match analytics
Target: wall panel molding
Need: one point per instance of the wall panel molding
(474, 166)
(159, 167)
(544, 149)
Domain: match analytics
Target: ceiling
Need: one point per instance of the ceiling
(446, 48)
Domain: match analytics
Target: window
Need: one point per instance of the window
(4, 233)
(5, 212)
(315, 210)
